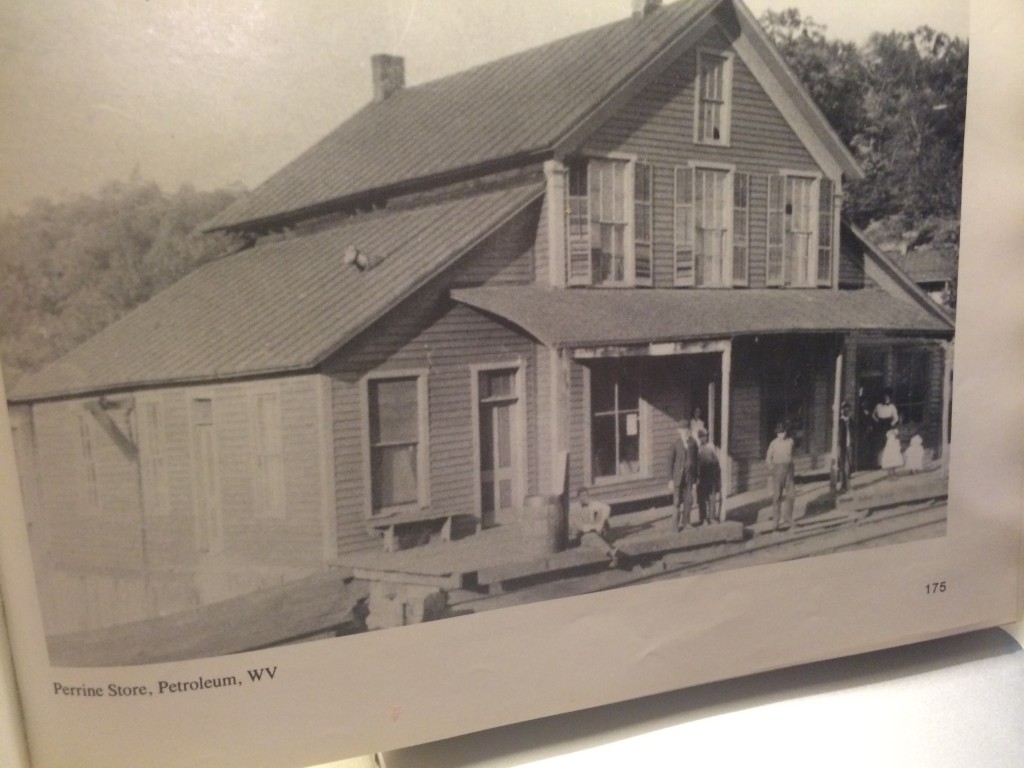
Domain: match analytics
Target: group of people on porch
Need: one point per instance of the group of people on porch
(695, 472)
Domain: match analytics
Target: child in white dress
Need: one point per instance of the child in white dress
(892, 456)
(913, 457)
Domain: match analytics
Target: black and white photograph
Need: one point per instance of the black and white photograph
(442, 308)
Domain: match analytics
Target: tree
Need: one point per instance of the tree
(69, 269)
(899, 102)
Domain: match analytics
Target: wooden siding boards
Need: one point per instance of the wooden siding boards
(446, 345)
(147, 559)
(429, 332)
(658, 128)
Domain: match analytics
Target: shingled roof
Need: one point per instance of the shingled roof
(517, 109)
(611, 317)
(280, 307)
(512, 107)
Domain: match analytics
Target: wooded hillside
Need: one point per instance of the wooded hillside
(69, 269)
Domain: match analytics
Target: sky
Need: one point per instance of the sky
(215, 94)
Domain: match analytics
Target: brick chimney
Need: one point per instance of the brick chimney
(644, 8)
(388, 75)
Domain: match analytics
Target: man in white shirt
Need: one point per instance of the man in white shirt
(780, 463)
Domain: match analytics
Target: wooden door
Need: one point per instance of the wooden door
(499, 444)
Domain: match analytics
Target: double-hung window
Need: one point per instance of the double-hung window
(714, 95)
(610, 222)
(800, 236)
(396, 414)
(712, 206)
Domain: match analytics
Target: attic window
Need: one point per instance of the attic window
(714, 96)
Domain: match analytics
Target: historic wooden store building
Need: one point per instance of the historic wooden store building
(561, 253)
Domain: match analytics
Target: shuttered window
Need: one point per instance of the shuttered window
(685, 271)
(578, 225)
(801, 221)
(776, 269)
(825, 225)
(712, 224)
(609, 223)
(741, 229)
(643, 222)
(800, 224)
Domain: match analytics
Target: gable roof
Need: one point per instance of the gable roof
(280, 307)
(929, 265)
(510, 111)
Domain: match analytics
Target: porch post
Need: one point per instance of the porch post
(947, 400)
(556, 174)
(559, 415)
(726, 387)
(837, 394)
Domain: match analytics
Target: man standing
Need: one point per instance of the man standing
(780, 463)
(709, 479)
(844, 468)
(682, 473)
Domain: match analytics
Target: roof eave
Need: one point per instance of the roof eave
(892, 269)
(810, 111)
(384, 192)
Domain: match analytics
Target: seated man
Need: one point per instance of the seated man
(588, 522)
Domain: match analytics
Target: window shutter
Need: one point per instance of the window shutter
(643, 223)
(577, 227)
(741, 228)
(684, 227)
(776, 271)
(825, 223)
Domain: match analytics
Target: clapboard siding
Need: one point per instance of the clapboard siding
(118, 560)
(453, 339)
(506, 257)
(430, 333)
(657, 127)
(105, 534)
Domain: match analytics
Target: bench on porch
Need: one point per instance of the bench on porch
(389, 524)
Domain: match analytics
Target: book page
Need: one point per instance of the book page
(321, 496)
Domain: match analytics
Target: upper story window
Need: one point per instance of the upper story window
(800, 221)
(610, 222)
(712, 207)
(714, 96)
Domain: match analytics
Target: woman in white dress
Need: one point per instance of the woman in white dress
(885, 417)
(892, 456)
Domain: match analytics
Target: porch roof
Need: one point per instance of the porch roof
(590, 317)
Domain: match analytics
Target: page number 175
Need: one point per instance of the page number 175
(935, 587)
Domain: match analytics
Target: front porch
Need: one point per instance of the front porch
(505, 559)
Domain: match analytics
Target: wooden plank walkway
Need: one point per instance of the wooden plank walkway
(317, 604)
